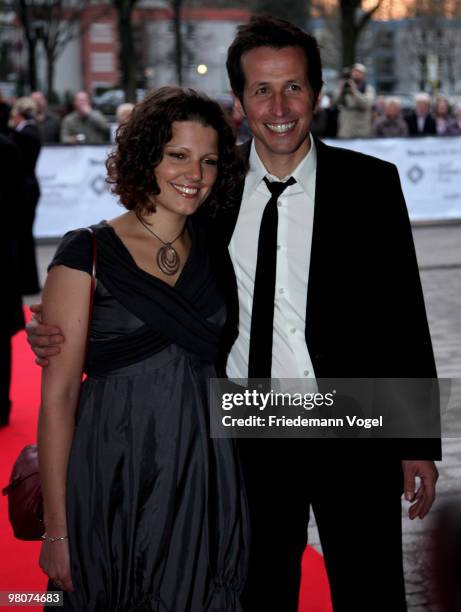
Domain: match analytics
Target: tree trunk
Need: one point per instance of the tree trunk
(126, 50)
(31, 44)
(178, 40)
(295, 11)
(50, 61)
(349, 34)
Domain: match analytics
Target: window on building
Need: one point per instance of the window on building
(384, 39)
(101, 33)
(384, 66)
(102, 62)
(385, 86)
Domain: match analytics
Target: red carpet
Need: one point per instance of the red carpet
(19, 569)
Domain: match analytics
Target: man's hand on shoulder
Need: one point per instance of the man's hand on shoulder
(424, 496)
(44, 339)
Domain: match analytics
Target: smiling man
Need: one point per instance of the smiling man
(328, 286)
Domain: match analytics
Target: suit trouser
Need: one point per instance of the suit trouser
(357, 504)
(5, 376)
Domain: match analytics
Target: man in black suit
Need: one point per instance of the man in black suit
(25, 134)
(420, 121)
(346, 302)
(12, 197)
(5, 110)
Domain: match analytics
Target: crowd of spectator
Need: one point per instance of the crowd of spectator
(354, 111)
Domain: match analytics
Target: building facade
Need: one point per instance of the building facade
(90, 60)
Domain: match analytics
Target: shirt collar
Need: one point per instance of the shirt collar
(303, 173)
(23, 124)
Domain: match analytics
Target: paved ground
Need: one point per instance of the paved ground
(439, 256)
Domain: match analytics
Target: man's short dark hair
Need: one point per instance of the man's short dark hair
(266, 31)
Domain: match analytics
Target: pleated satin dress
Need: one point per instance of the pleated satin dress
(156, 510)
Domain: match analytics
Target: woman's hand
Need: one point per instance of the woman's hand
(55, 562)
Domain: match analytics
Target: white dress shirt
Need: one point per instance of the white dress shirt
(421, 119)
(290, 357)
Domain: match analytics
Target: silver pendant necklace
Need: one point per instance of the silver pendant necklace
(167, 257)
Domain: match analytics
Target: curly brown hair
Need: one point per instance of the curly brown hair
(141, 142)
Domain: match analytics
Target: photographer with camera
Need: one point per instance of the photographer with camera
(354, 99)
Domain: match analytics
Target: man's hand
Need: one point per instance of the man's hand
(44, 339)
(424, 496)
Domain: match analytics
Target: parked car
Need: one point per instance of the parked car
(108, 101)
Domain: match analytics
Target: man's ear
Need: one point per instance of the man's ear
(317, 102)
(238, 107)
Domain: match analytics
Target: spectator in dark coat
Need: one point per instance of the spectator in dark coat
(454, 127)
(48, 123)
(421, 122)
(12, 197)
(5, 109)
(25, 134)
(84, 125)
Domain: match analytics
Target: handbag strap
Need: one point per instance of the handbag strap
(92, 288)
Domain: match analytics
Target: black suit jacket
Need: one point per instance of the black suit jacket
(12, 199)
(29, 144)
(365, 315)
(429, 125)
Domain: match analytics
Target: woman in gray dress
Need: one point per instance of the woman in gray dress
(143, 510)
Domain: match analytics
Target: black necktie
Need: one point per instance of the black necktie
(262, 315)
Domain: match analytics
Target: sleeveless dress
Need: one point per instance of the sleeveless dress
(156, 511)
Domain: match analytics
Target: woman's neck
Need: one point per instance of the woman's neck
(167, 226)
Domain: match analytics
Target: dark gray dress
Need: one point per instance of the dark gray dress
(155, 508)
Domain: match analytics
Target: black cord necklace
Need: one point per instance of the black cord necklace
(167, 257)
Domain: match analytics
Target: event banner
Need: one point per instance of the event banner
(75, 194)
(74, 189)
(429, 168)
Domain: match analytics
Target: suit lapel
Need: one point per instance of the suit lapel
(320, 269)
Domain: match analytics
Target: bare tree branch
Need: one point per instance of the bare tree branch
(367, 15)
(54, 23)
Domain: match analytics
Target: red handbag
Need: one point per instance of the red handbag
(25, 500)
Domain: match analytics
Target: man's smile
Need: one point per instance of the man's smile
(281, 128)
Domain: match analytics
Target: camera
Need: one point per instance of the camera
(345, 76)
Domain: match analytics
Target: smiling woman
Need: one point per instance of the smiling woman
(142, 143)
(132, 482)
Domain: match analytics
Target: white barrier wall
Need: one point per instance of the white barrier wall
(74, 193)
(429, 168)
